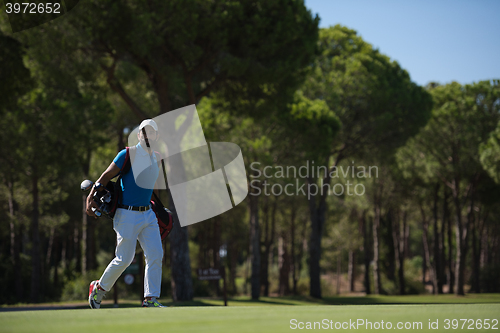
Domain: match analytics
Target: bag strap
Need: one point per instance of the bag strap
(127, 164)
(164, 178)
(160, 160)
(125, 168)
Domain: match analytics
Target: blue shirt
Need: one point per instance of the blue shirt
(138, 183)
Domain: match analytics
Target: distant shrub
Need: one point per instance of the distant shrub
(78, 287)
(303, 286)
(414, 287)
(489, 278)
(413, 276)
(328, 285)
(389, 287)
(202, 288)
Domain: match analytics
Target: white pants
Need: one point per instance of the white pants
(131, 226)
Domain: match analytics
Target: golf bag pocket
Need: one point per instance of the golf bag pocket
(164, 217)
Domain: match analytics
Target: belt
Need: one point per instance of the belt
(136, 208)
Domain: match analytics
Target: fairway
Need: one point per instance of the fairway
(253, 318)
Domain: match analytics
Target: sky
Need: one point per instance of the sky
(439, 41)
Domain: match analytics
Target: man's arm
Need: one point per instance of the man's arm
(106, 176)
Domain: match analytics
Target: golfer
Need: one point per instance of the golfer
(134, 220)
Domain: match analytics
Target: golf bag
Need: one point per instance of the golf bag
(164, 217)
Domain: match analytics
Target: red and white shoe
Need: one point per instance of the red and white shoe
(95, 295)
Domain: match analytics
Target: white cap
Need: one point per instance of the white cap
(148, 122)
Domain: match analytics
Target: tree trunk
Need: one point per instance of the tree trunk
(461, 239)
(352, 270)
(376, 270)
(398, 235)
(390, 257)
(55, 279)
(451, 265)
(50, 246)
(120, 144)
(15, 242)
(438, 280)
(254, 245)
(424, 268)
(91, 244)
(302, 248)
(182, 284)
(484, 258)
(407, 241)
(85, 228)
(201, 239)
(339, 270)
(284, 265)
(480, 246)
(442, 247)
(232, 253)
(77, 254)
(216, 244)
(247, 269)
(366, 251)
(292, 249)
(475, 259)
(35, 234)
(264, 273)
(233, 262)
(64, 253)
(317, 215)
(317, 222)
(271, 257)
(84, 234)
(12, 224)
(425, 241)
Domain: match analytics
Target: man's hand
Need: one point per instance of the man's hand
(91, 204)
(106, 176)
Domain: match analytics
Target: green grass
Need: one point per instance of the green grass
(239, 319)
(270, 314)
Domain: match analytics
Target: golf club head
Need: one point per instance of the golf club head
(86, 185)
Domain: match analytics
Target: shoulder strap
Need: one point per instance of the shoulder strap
(127, 164)
(117, 187)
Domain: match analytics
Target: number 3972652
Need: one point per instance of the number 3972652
(33, 8)
(471, 324)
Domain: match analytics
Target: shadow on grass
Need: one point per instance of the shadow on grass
(409, 299)
(357, 301)
(285, 300)
(262, 301)
(189, 303)
(136, 304)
